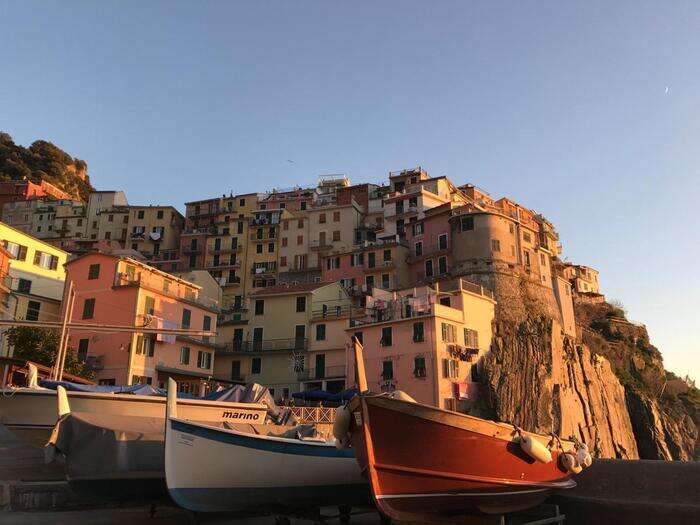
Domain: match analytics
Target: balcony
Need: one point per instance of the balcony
(189, 250)
(266, 345)
(267, 269)
(315, 374)
(236, 281)
(219, 251)
(320, 245)
(223, 264)
(331, 312)
(264, 237)
(209, 230)
(384, 265)
(138, 235)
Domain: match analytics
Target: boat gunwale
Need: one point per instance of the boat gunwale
(453, 419)
(9, 393)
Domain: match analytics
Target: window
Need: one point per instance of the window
(543, 260)
(149, 305)
(270, 247)
(467, 223)
(448, 333)
(442, 265)
(83, 349)
(284, 241)
(300, 240)
(495, 245)
(386, 339)
(24, 286)
(429, 268)
(45, 260)
(442, 242)
(386, 256)
(204, 360)
(110, 218)
(259, 307)
(283, 261)
(320, 332)
(140, 214)
(419, 367)
(371, 259)
(89, 308)
(206, 323)
(418, 333)
(285, 225)
(236, 370)
(108, 235)
(185, 355)
(322, 218)
(336, 216)
(336, 235)
(385, 281)
(303, 205)
(125, 220)
(526, 254)
(241, 202)
(445, 301)
(471, 338)
(419, 248)
(301, 304)
(258, 248)
(159, 214)
(240, 227)
(450, 368)
(418, 229)
(256, 366)
(94, 271)
(33, 308)
(186, 318)
(387, 370)
(527, 237)
(18, 251)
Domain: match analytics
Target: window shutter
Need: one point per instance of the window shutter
(54, 262)
(445, 370)
(37, 257)
(22, 255)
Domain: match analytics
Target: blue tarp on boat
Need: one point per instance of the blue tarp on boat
(322, 395)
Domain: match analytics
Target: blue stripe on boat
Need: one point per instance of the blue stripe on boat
(281, 447)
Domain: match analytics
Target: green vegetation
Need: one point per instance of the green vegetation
(43, 160)
(40, 345)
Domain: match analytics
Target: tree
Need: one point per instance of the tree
(40, 345)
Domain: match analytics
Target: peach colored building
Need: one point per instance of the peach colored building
(122, 291)
(427, 341)
(430, 244)
(583, 279)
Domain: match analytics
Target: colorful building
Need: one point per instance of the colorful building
(125, 292)
(37, 276)
(427, 341)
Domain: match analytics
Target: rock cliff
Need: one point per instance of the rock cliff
(607, 386)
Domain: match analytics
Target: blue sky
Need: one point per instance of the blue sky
(561, 106)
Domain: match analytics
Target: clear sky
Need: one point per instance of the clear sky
(562, 106)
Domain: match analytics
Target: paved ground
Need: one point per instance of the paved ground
(164, 516)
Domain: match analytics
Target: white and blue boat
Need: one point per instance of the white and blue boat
(255, 468)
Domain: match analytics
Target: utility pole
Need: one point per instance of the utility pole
(67, 314)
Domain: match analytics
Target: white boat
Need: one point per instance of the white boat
(30, 412)
(214, 469)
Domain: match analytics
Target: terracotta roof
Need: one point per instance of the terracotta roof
(290, 288)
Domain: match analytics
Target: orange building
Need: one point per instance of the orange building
(125, 292)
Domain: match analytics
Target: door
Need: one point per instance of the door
(322, 238)
(299, 337)
(257, 338)
(320, 366)
(236, 371)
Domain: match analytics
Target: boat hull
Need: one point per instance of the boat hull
(216, 470)
(32, 413)
(422, 459)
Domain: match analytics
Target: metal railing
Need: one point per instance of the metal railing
(266, 345)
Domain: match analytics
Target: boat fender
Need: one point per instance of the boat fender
(341, 424)
(535, 449)
(583, 458)
(568, 461)
(402, 396)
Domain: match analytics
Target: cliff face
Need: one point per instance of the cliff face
(606, 387)
(43, 161)
(538, 379)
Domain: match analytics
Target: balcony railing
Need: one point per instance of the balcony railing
(215, 251)
(262, 270)
(320, 245)
(266, 345)
(328, 372)
(331, 311)
(224, 264)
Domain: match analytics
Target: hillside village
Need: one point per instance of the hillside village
(453, 294)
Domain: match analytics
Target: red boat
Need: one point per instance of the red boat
(423, 461)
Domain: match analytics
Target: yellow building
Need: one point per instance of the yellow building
(269, 343)
(154, 231)
(37, 276)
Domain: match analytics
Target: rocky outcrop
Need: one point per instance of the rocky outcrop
(658, 435)
(538, 379)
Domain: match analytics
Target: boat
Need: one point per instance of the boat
(249, 468)
(119, 453)
(424, 463)
(30, 412)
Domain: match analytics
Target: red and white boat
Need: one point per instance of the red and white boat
(423, 462)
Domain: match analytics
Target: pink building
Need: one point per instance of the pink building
(120, 291)
(427, 341)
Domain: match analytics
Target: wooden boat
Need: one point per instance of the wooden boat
(423, 462)
(255, 469)
(121, 454)
(30, 412)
